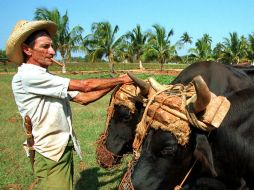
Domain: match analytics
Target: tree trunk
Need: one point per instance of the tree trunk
(64, 66)
(111, 67)
(161, 66)
(111, 63)
(141, 65)
(63, 61)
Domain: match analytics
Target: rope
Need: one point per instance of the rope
(192, 118)
(134, 96)
(177, 90)
(142, 127)
(111, 109)
(105, 158)
(178, 187)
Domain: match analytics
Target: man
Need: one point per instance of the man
(45, 97)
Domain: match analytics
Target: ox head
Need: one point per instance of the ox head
(127, 111)
(164, 162)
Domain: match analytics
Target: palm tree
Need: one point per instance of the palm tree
(137, 42)
(251, 47)
(218, 51)
(235, 48)
(73, 41)
(65, 41)
(3, 54)
(102, 43)
(203, 50)
(159, 45)
(185, 39)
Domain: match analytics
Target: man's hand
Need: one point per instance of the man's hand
(126, 78)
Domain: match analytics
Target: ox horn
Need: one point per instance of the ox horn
(144, 87)
(203, 94)
(155, 84)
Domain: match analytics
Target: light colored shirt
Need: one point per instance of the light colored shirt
(45, 99)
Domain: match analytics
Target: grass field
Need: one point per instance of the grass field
(70, 67)
(88, 122)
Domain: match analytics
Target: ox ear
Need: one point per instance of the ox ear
(203, 153)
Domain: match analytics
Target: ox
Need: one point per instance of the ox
(226, 153)
(220, 78)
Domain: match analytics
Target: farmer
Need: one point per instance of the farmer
(45, 97)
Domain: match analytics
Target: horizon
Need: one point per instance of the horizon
(217, 19)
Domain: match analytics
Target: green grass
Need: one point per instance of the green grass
(88, 122)
(10, 67)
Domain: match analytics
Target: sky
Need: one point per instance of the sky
(218, 18)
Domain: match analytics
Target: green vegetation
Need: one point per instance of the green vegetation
(100, 67)
(137, 46)
(104, 44)
(15, 168)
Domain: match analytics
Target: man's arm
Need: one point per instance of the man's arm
(89, 85)
(85, 98)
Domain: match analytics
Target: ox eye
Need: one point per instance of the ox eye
(169, 150)
(127, 118)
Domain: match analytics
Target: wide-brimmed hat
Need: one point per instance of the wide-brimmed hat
(22, 30)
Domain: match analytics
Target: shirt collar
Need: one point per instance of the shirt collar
(31, 66)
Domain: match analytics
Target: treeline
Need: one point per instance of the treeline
(102, 44)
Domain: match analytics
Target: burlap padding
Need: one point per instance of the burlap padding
(159, 116)
(173, 98)
(168, 122)
(167, 111)
(125, 95)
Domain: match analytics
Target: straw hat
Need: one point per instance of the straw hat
(21, 32)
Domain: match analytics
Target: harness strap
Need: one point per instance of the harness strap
(178, 187)
(142, 127)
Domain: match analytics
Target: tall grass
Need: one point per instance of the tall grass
(88, 122)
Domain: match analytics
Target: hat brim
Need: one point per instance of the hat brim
(18, 36)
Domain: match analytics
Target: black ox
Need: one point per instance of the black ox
(227, 153)
(220, 78)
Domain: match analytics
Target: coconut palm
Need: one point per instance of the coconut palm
(73, 41)
(102, 43)
(218, 52)
(251, 47)
(235, 48)
(202, 50)
(3, 54)
(159, 45)
(185, 39)
(65, 41)
(137, 42)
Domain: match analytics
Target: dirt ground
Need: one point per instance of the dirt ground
(172, 72)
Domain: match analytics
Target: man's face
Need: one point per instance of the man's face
(41, 52)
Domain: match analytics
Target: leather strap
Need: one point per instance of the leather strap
(29, 139)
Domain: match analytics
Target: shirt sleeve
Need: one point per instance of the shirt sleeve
(44, 83)
(72, 94)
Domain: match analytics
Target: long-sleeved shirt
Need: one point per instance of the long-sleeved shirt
(44, 97)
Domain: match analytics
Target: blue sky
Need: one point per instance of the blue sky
(217, 18)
